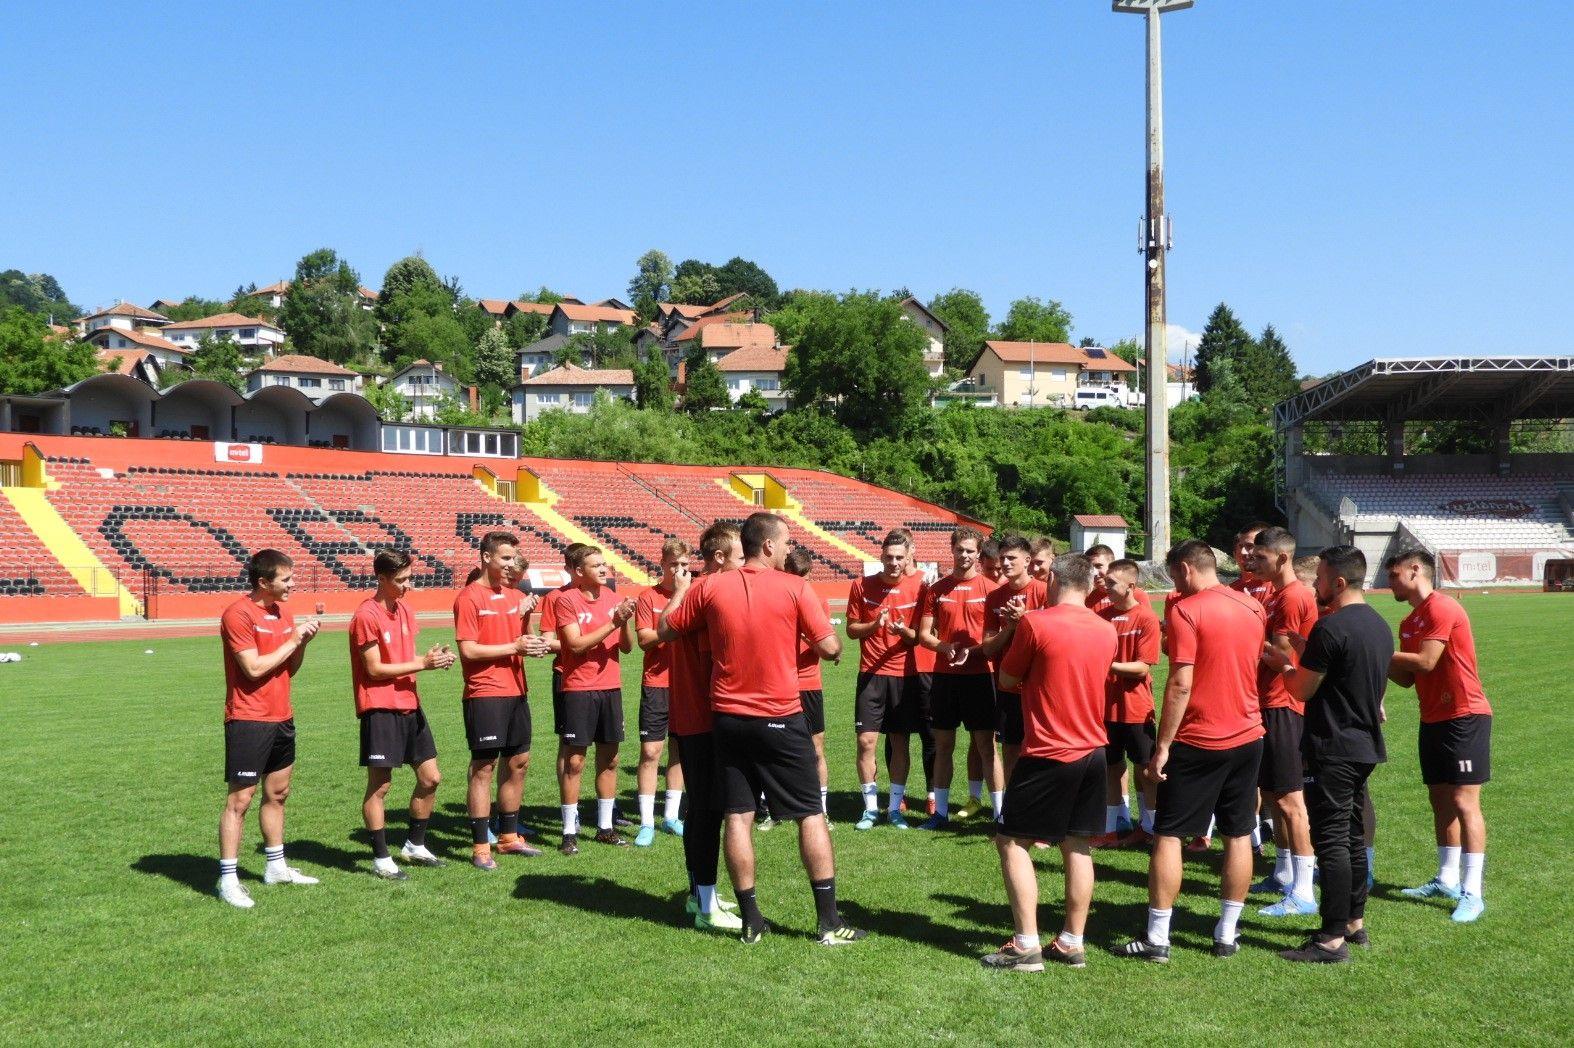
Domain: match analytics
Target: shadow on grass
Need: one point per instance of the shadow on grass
(328, 856)
(603, 897)
(197, 872)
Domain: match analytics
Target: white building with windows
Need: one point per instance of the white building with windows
(570, 318)
(122, 316)
(318, 379)
(570, 388)
(934, 330)
(254, 335)
(141, 341)
(761, 369)
(424, 385)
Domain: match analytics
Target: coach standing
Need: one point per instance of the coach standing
(1341, 678)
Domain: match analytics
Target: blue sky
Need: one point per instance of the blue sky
(1374, 179)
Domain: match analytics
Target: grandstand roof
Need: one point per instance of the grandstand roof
(1461, 388)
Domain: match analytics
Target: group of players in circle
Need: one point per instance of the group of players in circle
(1270, 722)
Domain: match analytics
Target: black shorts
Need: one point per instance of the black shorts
(886, 704)
(1008, 718)
(1200, 784)
(497, 727)
(652, 714)
(1283, 769)
(1457, 752)
(1051, 800)
(697, 758)
(1129, 742)
(254, 749)
(769, 755)
(963, 700)
(591, 716)
(557, 700)
(394, 738)
(813, 710)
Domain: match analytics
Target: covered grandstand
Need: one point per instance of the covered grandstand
(1361, 463)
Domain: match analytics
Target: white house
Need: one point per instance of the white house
(424, 385)
(758, 368)
(569, 387)
(275, 293)
(1091, 529)
(122, 315)
(254, 335)
(539, 355)
(933, 328)
(141, 341)
(572, 319)
(318, 379)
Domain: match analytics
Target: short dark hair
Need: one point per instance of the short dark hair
(1041, 544)
(570, 552)
(897, 537)
(1346, 562)
(1015, 542)
(1195, 552)
(390, 562)
(990, 550)
(1251, 529)
(1420, 556)
(1124, 564)
(581, 554)
(965, 532)
(493, 539)
(264, 566)
(799, 561)
(757, 529)
(1073, 571)
(717, 538)
(1097, 549)
(1277, 539)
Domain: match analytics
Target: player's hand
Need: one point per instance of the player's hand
(534, 646)
(1161, 757)
(883, 620)
(623, 612)
(1015, 608)
(960, 653)
(437, 658)
(681, 577)
(307, 630)
(528, 605)
(1276, 660)
(1382, 712)
(895, 624)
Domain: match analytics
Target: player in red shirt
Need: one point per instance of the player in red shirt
(924, 670)
(1060, 657)
(1043, 559)
(489, 627)
(654, 701)
(590, 629)
(1018, 593)
(811, 687)
(963, 694)
(882, 615)
(1209, 745)
(1249, 582)
(1101, 557)
(989, 567)
(263, 648)
(1437, 655)
(754, 618)
(1291, 607)
(394, 731)
(1128, 695)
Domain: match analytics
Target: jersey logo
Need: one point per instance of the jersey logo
(387, 637)
(585, 618)
(484, 611)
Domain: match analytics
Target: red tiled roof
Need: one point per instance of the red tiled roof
(706, 321)
(495, 306)
(544, 308)
(141, 338)
(683, 309)
(1100, 520)
(574, 375)
(737, 336)
(1056, 353)
(724, 303)
(222, 320)
(596, 314)
(128, 358)
(755, 358)
(367, 292)
(281, 287)
(300, 364)
(126, 309)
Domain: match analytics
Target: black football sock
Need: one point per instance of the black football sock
(749, 907)
(380, 843)
(825, 903)
(478, 830)
(418, 831)
(507, 822)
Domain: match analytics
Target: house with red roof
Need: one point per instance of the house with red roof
(318, 379)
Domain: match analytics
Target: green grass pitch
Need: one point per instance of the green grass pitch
(110, 786)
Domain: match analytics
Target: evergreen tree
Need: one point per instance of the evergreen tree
(653, 383)
(1272, 376)
(494, 361)
(967, 326)
(1224, 339)
(322, 313)
(703, 387)
(650, 284)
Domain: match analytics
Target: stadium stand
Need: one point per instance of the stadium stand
(26, 567)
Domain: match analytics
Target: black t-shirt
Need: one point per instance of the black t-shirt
(1351, 648)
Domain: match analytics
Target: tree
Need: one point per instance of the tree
(754, 402)
(33, 359)
(494, 361)
(1270, 374)
(38, 293)
(409, 276)
(523, 329)
(391, 405)
(219, 359)
(322, 314)
(651, 283)
(792, 314)
(438, 337)
(1130, 350)
(543, 294)
(698, 289)
(1223, 339)
(193, 308)
(861, 356)
(967, 323)
(1031, 319)
(653, 382)
(740, 276)
(703, 387)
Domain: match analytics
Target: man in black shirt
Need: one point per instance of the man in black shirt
(1342, 674)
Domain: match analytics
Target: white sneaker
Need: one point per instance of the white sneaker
(235, 893)
(388, 870)
(718, 920)
(419, 855)
(285, 875)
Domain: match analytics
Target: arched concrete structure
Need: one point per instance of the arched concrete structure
(276, 413)
(199, 407)
(345, 420)
(104, 400)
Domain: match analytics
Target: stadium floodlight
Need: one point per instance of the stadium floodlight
(1154, 242)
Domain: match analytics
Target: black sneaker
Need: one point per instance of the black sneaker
(1012, 958)
(1142, 950)
(1071, 958)
(612, 837)
(843, 934)
(1225, 949)
(1314, 952)
(570, 845)
(754, 935)
(1358, 938)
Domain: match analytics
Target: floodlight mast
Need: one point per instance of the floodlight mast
(1154, 242)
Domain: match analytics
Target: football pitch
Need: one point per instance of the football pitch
(111, 783)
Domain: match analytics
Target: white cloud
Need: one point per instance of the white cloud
(1180, 342)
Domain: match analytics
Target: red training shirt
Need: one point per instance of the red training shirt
(960, 614)
(244, 625)
(1062, 655)
(394, 634)
(1255, 588)
(1453, 688)
(658, 660)
(1128, 700)
(596, 669)
(490, 616)
(1219, 632)
(1290, 609)
(809, 678)
(1035, 594)
(883, 652)
(688, 687)
(754, 617)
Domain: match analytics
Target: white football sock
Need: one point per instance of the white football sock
(897, 792)
(871, 792)
(1371, 860)
(996, 799)
(1448, 864)
(1111, 814)
(570, 819)
(1026, 942)
(1069, 941)
(386, 864)
(674, 805)
(1283, 869)
(1257, 835)
(1159, 926)
(1301, 886)
(1125, 808)
(1213, 822)
(825, 803)
(975, 789)
(705, 895)
(1147, 817)
(1474, 864)
(1229, 914)
(647, 809)
(943, 801)
(604, 812)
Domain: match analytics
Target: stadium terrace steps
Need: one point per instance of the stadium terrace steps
(1458, 511)
(29, 563)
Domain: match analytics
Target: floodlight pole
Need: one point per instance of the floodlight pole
(1154, 243)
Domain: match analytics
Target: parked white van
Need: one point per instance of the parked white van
(1096, 397)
